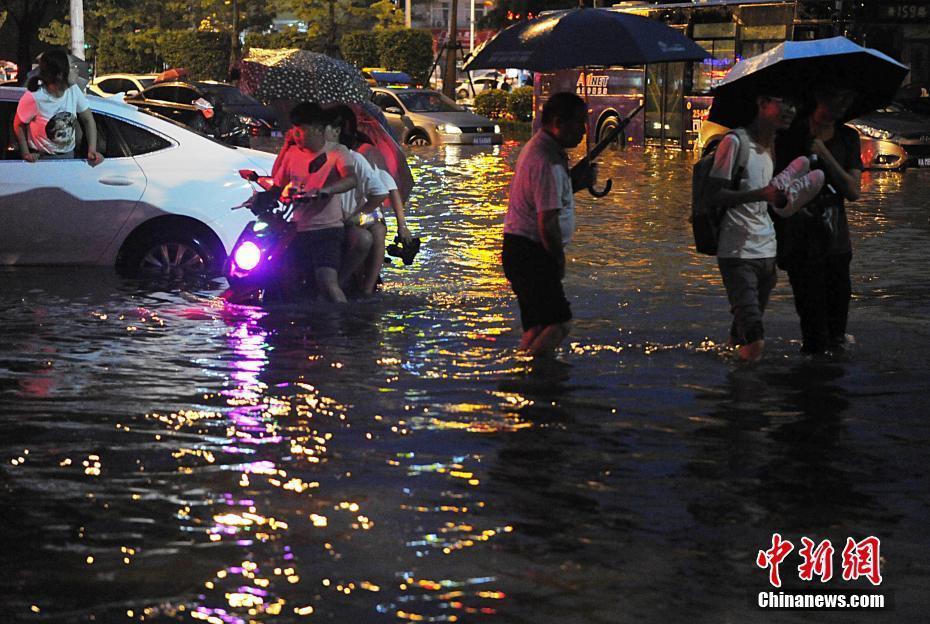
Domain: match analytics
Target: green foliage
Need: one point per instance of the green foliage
(492, 103)
(56, 34)
(328, 20)
(130, 53)
(360, 48)
(386, 15)
(205, 55)
(520, 104)
(407, 49)
(287, 38)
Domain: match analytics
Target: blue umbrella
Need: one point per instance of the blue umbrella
(583, 38)
(798, 67)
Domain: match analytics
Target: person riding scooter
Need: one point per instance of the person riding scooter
(319, 177)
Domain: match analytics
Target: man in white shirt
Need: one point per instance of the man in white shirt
(540, 222)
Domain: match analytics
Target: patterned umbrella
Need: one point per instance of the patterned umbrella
(300, 76)
(395, 160)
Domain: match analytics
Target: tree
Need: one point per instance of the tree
(328, 20)
(27, 17)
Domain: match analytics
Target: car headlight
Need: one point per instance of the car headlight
(875, 133)
(448, 129)
(497, 129)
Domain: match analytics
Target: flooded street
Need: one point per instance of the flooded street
(167, 457)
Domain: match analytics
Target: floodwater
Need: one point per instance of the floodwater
(166, 457)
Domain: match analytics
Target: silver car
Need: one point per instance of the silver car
(427, 117)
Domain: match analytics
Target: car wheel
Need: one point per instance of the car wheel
(462, 94)
(609, 125)
(170, 254)
(417, 139)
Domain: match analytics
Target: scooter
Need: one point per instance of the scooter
(259, 269)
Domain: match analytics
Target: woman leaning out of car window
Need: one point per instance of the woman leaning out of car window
(48, 111)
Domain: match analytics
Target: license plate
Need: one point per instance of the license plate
(923, 162)
(483, 140)
(277, 133)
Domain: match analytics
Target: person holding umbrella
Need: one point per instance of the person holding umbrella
(814, 245)
(746, 248)
(540, 222)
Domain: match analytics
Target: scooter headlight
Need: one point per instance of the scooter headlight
(247, 256)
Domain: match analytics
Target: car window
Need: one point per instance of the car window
(111, 85)
(138, 140)
(428, 102)
(7, 138)
(384, 100)
(106, 143)
(178, 95)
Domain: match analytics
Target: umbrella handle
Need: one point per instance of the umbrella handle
(601, 192)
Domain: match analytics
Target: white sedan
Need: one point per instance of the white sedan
(160, 202)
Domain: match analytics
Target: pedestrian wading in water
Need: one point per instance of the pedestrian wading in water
(747, 248)
(540, 222)
(814, 245)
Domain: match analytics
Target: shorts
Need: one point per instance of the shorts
(320, 249)
(534, 277)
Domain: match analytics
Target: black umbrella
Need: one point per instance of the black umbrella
(583, 38)
(799, 67)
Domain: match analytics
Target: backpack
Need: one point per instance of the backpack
(705, 217)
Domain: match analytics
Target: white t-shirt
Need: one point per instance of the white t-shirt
(541, 183)
(747, 230)
(370, 182)
(51, 119)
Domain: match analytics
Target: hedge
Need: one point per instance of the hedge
(520, 104)
(492, 103)
(205, 55)
(287, 38)
(360, 48)
(406, 49)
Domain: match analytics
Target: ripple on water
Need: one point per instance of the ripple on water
(167, 455)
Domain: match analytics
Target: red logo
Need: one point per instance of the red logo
(859, 559)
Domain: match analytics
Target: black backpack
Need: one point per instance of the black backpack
(706, 217)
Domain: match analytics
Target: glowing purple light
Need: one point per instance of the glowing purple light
(247, 256)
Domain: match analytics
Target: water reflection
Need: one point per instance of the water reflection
(179, 459)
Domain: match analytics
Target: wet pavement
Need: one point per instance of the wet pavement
(166, 457)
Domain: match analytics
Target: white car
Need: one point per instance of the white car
(161, 202)
(111, 84)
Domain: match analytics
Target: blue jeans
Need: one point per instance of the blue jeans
(749, 283)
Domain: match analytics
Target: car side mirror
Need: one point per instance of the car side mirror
(394, 110)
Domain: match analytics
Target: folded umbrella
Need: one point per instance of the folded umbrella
(583, 38)
(799, 67)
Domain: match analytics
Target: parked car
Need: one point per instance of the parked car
(111, 84)
(465, 91)
(425, 117)
(894, 137)
(233, 117)
(160, 202)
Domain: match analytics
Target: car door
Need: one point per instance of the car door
(65, 211)
(393, 111)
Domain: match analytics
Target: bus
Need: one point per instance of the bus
(677, 96)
